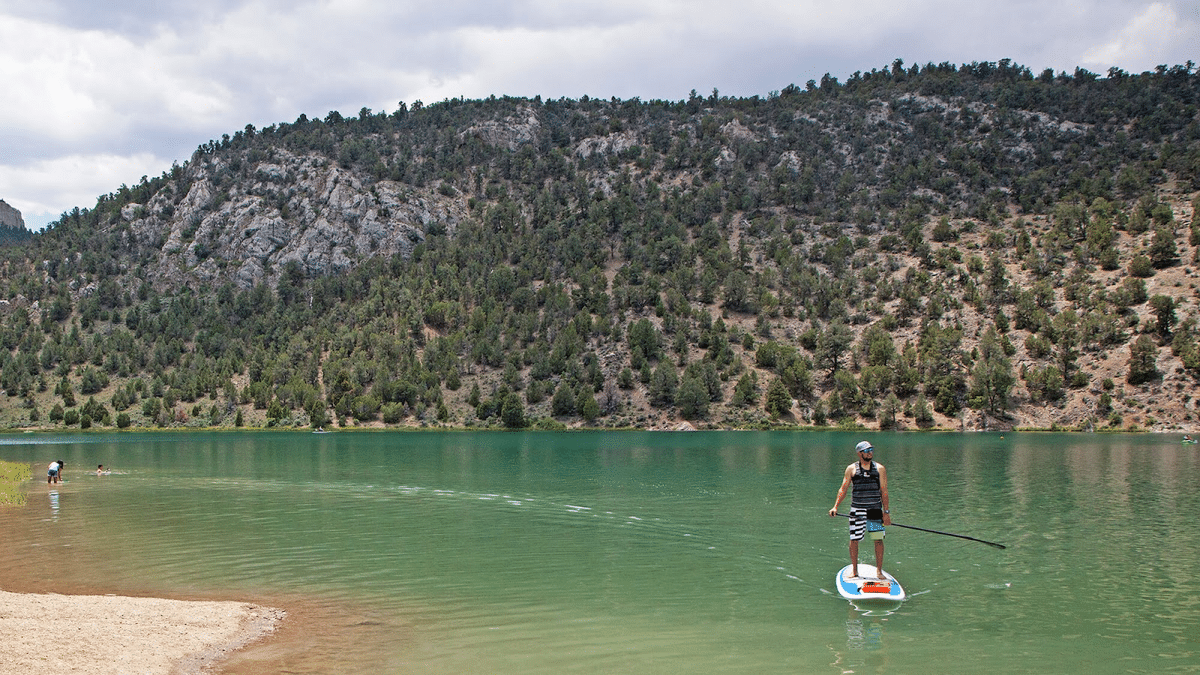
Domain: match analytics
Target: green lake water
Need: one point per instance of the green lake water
(627, 552)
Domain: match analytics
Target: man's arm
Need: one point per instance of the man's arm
(842, 490)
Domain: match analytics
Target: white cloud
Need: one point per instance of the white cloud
(1141, 44)
(44, 189)
(42, 66)
(68, 84)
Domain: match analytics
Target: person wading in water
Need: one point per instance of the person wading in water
(868, 503)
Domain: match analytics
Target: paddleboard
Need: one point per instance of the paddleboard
(867, 587)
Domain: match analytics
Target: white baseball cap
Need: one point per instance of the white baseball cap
(863, 446)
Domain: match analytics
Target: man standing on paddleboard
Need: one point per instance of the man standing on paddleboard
(868, 503)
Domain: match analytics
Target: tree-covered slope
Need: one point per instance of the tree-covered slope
(934, 245)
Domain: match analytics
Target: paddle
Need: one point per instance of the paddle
(948, 534)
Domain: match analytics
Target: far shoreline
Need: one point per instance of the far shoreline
(358, 429)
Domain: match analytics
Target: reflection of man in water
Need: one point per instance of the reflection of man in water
(862, 634)
(864, 646)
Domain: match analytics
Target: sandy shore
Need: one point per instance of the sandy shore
(104, 634)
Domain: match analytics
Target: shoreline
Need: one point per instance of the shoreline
(677, 428)
(113, 634)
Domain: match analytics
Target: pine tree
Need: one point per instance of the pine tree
(1143, 356)
(779, 401)
(512, 412)
(692, 398)
(992, 377)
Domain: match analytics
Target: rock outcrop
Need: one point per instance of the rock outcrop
(10, 217)
(300, 209)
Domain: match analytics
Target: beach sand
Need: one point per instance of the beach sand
(105, 634)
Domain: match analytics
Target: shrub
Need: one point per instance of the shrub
(393, 413)
(1141, 267)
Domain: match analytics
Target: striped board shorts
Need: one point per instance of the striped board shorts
(859, 525)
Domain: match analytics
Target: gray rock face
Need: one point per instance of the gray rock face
(10, 217)
(510, 133)
(301, 209)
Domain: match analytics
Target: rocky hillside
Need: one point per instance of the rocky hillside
(927, 246)
(292, 208)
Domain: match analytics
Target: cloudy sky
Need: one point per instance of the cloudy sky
(96, 94)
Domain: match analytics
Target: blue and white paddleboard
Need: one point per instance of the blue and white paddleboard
(867, 587)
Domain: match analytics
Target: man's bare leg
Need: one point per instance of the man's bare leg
(879, 557)
(854, 557)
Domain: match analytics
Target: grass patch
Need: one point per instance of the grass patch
(12, 476)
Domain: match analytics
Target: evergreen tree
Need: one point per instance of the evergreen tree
(778, 401)
(745, 393)
(1164, 314)
(834, 342)
(562, 404)
(992, 377)
(921, 412)
(664, 383)
(1163, 252)
(586, 404)
(1065, 329)
(692, 398)
(888, 412)
(1046, 384)
(512, 412)
(1143, 357)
